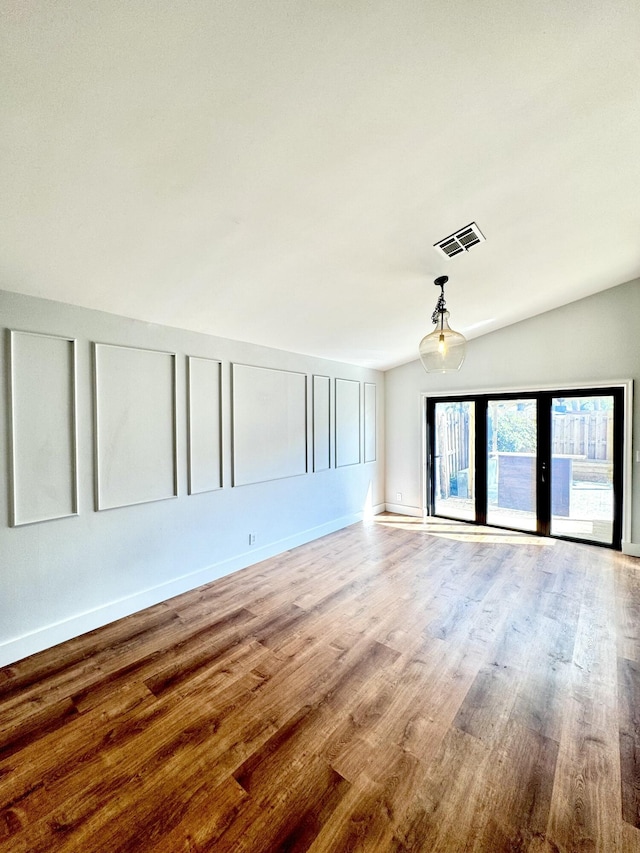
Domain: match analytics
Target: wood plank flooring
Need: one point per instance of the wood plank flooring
(395, 686)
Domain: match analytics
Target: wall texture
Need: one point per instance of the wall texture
(594, 340)
(64, 576)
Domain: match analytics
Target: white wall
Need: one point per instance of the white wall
(594, 340)
(63, 577)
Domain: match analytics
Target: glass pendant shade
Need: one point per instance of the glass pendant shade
(442, 350)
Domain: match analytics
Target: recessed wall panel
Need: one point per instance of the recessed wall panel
(347, 422)
(369, 422)
(135, 426)
(43, 428)
(205, 437)
(321, 423)
(269, 424)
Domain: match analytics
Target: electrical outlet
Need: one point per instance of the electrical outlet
(252, 539)
(399, 497)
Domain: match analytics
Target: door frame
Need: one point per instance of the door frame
(625, 451)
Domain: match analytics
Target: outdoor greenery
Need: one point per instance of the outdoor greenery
(516, 432)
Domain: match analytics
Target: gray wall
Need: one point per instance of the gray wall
(594, 340)
(59, 578)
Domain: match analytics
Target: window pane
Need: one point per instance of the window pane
(454, 463)
(511, 463)
(582, 467)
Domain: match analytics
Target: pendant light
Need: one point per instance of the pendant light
(443, 350)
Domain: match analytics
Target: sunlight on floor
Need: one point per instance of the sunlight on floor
(458, 531)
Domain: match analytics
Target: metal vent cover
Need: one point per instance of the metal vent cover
(461, 241)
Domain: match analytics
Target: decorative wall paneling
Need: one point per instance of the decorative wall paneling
(204, 424)
(43, 440)
(135, 425)
(321, 423)
(347, 422)
(369, 422)
(269, 411)
(135, 422)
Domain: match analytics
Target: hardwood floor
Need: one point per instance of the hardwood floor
(391, 687)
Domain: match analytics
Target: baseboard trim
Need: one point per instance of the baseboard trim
(58, 632)
(402, 509)
(631, 549)
(371, 511)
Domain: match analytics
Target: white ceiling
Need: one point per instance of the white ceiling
(277, 171)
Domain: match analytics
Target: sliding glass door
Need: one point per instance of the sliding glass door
(582, 467)
(546, 462)
(454, 466)
(511, 448)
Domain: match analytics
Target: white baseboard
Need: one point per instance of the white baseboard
(50, 635)
(402, 509)
(631, 549)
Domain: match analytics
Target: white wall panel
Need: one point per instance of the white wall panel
(321, 423)
(43, 428)
(136, 426)
(347, 422)
(269, 424)
(369, 422)
(205, 435)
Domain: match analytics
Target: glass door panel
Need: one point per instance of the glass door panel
(544, 461)
(512, 463)
(454, 469)
(582, 437)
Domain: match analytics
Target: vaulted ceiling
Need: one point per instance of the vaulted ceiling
(277, 171)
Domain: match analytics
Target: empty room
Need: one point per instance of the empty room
(319, 448)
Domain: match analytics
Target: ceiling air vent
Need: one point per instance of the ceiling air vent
(461, 241)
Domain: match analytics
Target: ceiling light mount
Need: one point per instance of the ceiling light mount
(441, 303)
(442, 350)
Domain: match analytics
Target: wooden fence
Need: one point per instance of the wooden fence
(453, 443)
(580, 434)
(587, 434)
